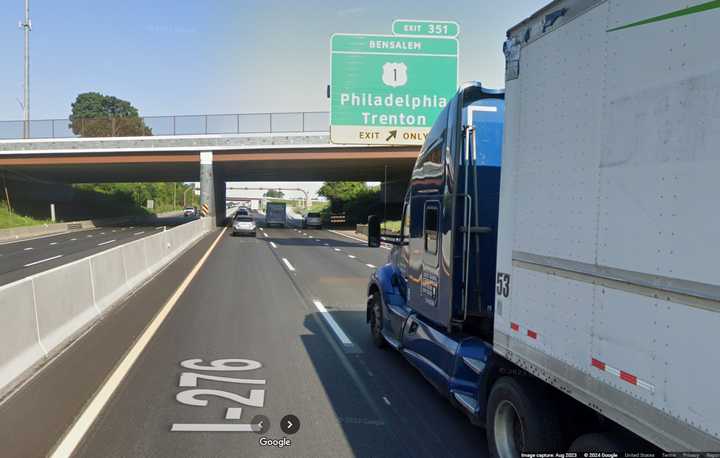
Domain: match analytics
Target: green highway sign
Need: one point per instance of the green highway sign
(426, 28)
(388, 89)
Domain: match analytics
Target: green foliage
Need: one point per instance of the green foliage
(391, 226)
(355, 199)
(274, 193)
(97, 115)
(9, 219)
(343, 190)
(137, 194)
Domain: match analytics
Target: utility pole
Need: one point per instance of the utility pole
(26, 26)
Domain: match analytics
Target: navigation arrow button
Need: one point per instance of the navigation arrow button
(290, 424)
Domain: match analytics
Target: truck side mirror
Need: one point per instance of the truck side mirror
(373, 231)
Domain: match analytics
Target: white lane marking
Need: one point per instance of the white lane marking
(387, 401)
(214, 427)
(348, 236)
(351, 256)
(158, 227)
(83, 423)
(289, 266)
(337, 249)
(102, 233)
(383, 246)
(105, 243)
(265, 234)
(317, 240)
(332, 323)
(327, 244)
(53, 243)
(132, 227)
(42, 260)
(139, 233)
(89, 236)
(370, 266)
(123, 229)
(28, 248)
(272, 244)
(114, 230)
(73, 240)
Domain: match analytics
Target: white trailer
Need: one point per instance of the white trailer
(609, 215)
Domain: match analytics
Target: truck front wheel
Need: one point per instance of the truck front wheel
(376, 320)
(521, 418)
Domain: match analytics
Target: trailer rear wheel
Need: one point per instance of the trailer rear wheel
(376, 320)
(521, 418)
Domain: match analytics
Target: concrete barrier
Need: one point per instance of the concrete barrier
(64, 302)
(41, 314)
(108, 274)
(135, 261)
(20, 347)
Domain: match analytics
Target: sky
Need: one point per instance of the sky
(218, 56)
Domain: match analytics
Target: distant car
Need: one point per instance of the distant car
(313, 219)
(243, 225)
(190, 212)
(242, 212)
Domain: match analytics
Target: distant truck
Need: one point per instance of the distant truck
(555, 276)
(275, 214)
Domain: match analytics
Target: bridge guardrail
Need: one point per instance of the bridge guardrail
(208, 124)
(45, 311)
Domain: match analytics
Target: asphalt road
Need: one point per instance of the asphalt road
(259, 299)
(26, 257)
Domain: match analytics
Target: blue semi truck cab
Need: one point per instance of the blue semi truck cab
(434, 301)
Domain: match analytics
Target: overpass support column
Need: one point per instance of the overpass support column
(219, 193)
(207, 184)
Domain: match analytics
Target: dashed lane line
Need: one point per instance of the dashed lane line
(289, 266)
(332, 323)
(42, 260)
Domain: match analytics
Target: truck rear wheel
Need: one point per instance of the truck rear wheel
(376, 320)
(521, 418)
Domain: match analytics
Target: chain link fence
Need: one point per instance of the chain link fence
(248, 123)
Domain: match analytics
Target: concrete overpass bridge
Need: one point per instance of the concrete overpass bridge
(212, 159)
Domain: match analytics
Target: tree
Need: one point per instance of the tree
(342, 190)
(354, 198)
(274, 193)
(97, 115)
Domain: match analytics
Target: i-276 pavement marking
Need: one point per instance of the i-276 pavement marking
(82, 424)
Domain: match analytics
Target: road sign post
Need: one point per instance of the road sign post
(388, 89)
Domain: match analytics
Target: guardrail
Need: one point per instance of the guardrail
(45, 311)
(241, 123)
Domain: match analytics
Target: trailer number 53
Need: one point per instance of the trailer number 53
(502, 284)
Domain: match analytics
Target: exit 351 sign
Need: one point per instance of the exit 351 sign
(388, 89)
